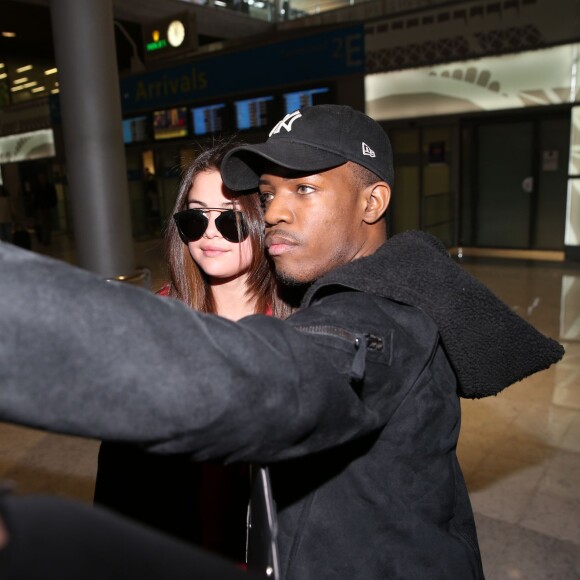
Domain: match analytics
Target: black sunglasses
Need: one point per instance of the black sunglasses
(192, 223)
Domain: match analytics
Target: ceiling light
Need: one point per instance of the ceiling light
(31, 84)
(20, 81)
(19, 88)
(55, 91)
(3, 75)
(50, 71)
(8, 34)
(24, 68)
(219, 3)
(38, 89)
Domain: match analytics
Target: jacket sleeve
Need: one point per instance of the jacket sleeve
(83, 356)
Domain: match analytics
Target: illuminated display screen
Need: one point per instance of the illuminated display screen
(209, 119)
(170, 123)
(306, 98)
(135, 129)
(253, 113)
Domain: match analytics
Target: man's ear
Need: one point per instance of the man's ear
(378, 196)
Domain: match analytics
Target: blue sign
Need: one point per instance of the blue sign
(311, 58)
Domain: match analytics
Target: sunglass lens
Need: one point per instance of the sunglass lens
(191, 224)
(232, 226)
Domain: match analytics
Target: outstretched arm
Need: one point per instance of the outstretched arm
(106, 360)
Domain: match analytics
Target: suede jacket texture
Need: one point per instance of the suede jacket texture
(353, 401)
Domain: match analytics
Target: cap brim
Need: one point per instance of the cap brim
(242, 166)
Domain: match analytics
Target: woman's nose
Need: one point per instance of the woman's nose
(211, 231)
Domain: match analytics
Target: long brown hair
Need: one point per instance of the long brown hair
(187, 282)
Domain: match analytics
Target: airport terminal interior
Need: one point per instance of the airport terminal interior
(520, 451)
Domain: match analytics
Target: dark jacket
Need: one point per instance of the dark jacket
(393, 504)
(353, 401)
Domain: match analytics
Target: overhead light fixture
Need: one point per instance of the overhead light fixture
(30, 84)
(3, 75)
(18, 88)
(24, 68)
(20, 81)
(219, 3)
(6, 34)
(50, 71)
(38, 89)
(55, 91)
(2, 65)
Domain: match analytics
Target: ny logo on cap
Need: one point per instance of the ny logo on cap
(366, 150)
(286, 123)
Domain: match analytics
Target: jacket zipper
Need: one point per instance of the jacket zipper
(360, 341)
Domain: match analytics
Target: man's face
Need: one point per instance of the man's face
(314, 223)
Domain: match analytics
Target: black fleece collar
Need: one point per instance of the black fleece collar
(489, 346)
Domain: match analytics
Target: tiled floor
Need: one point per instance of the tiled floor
(520, 451)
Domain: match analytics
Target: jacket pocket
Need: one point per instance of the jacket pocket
(360, 346)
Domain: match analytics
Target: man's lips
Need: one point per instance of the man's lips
(278, 244)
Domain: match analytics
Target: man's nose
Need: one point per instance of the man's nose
(278, 210)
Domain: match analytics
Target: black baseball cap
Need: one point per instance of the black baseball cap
(311, 140)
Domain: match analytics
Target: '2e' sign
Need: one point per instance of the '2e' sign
(349, 49)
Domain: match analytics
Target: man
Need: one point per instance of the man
(352, 401)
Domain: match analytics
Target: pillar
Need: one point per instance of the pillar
(84, 44)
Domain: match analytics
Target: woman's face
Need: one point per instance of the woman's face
(219, 258)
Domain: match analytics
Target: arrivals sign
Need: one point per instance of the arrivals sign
(331, 54)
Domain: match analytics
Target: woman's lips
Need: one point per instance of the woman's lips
(212, 251)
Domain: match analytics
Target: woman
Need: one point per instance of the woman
(217, 264)
(232, 284)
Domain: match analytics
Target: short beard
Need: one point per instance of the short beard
(287, 280)
(291, 290)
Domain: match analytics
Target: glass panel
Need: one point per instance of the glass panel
(168, 175)
(570, 308)
(467, 201)
(574, 168)
(438, 201)
(552, 180)
(136, 190)
(405, 206)
(573, 213)
(504, 185)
